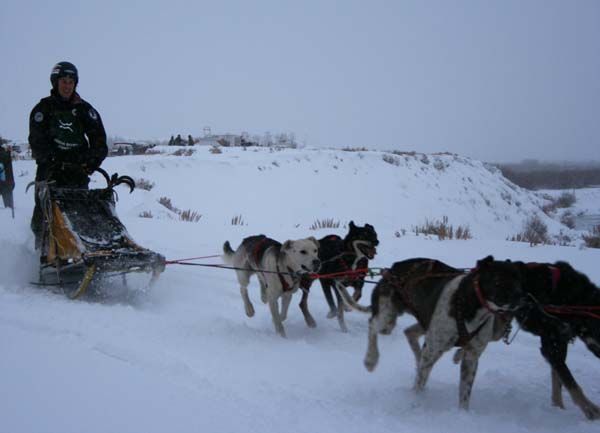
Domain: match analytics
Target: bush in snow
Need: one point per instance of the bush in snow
(146, 214)
(566, 199)
(568, 219)
(144, 184)
(400, 233)
(355, 149)
(592, 238)
(535, 231)
(390, 159)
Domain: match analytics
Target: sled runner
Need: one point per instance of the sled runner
(84, 240)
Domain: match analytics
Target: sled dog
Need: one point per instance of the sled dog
(279, 269)
(339, 255)
(453, 308)
(554, 289)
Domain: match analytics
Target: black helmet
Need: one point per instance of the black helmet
(63, 69)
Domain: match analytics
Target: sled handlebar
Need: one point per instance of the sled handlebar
(111, 181)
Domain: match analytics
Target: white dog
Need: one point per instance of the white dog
(278, 267)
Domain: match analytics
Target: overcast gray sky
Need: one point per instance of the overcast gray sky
(495, 80)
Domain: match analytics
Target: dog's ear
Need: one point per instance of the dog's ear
(287, 245)
(485, 261)
(351, 225)
(313, 239)
(369, 226)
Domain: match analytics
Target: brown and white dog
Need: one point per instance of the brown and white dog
(278, 268)
(452, 308)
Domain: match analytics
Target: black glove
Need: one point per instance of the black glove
(90, 165)
(44, 160)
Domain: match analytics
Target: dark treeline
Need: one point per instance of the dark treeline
(536, 175)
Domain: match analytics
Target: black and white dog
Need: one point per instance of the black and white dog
(278, 268)
(337, 256)
(556, 289)
(453, 308)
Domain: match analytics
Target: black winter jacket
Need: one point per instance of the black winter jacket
(66, 132)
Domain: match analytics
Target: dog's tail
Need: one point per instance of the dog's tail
(228, 253)
(349, 300)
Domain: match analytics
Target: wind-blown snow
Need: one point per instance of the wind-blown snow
(185, 358)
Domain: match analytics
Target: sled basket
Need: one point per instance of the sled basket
(83, 235)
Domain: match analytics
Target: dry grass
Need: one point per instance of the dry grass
(186, 215)
(354, 149)
(327, 223)
(144, 184)
(390, 159)
(568, 219)
(565, 200)
(592, 238)
(237, 220)
(443, 230)
(190, 216)
(166, 202)
(535, 231)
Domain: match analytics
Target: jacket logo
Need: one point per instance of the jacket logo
(65, 125)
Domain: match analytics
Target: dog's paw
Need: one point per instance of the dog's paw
(249, 310)
(458, 356)
(310, 322)
(331, 314)
(371, 361)
(591, 411)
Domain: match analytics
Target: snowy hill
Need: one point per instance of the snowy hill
(185, 358)
(397, 191)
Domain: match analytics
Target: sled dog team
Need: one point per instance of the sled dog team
(453, 307)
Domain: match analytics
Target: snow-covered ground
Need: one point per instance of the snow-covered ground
(185, 358)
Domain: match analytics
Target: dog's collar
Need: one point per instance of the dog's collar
(484, 303)
(555, 272)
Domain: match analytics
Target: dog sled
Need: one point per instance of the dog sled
(83, 240)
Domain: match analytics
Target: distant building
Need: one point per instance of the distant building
(225, 140)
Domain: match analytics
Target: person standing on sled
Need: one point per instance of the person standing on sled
(67, 138)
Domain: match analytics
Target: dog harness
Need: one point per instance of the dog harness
(464, 336)
(554, 272)
(262, 244)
